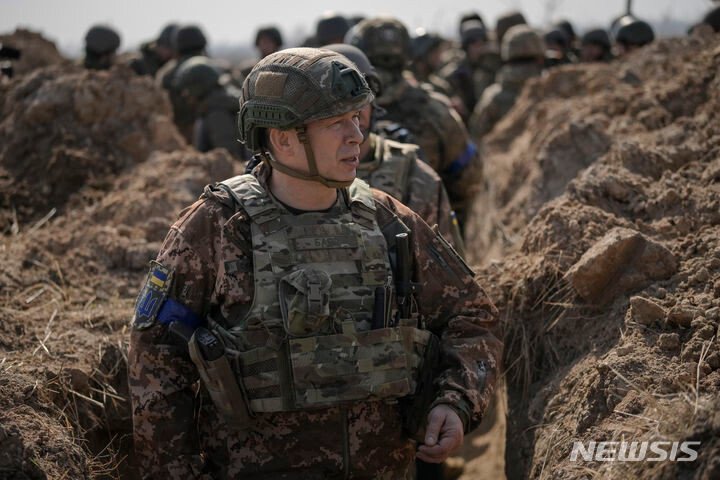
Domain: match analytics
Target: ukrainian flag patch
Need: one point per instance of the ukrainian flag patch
(152, 296)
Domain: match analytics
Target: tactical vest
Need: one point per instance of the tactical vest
(307, 340)
(390, 168)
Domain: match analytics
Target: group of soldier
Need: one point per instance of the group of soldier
(292, 281)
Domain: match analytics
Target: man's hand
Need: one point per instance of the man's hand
(443, 436)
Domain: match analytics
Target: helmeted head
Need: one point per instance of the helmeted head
(165, 39)
(596, 45)
(268, 40)
(557, 39)
(470, 17)
(423, 43)
(331, 28)
(522, 43)
(384, 40)
(291, 88)
(196, 77)
(189, 40)
(506, 22)
(473, 31)
(567, 28)
(633, 33)
(101, 40)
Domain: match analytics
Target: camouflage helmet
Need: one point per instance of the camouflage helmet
(634, 32)
(522, 43)
(385, 41)
(361, 61)
(507, 21)
(712, 18)
(101, 40)
(290, 88)
(424, 42)
(197, 77)
(189, 39)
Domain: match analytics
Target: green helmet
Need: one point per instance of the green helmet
(385, 41)
(290, 88)
(522, 43)
(506, 22)
(197, 77)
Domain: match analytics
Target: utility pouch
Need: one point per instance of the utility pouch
(415, 408)
(305, 302)
(208, 355)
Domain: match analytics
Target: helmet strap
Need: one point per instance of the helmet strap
(313, 175)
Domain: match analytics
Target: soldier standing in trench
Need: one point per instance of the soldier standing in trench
(294, 295)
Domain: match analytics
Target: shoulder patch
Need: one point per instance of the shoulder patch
(152, 296)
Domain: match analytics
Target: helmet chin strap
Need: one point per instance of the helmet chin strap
(313, 176)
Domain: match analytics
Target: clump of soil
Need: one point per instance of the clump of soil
(35, 51)
(606, 206)
(64, 127)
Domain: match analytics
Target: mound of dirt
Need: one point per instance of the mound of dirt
(36, 51)
(64, 128)
(606, 205)
(66, 296)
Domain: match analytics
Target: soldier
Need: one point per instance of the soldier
(712, 18)
(477, 70)
(394, 167)
(523, 53)
(101, 44)
(596, 46)
(153, 55)
(268, 40)
(215, 106)
(557, 49)
(284, 280)
(189, 41)
(632, 34)
(438, 129)
(426, 51)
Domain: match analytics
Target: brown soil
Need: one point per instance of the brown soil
(36, 51)
(599, 232)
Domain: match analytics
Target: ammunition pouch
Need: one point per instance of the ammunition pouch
(208, 355)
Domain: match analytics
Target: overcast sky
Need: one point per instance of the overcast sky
(231, 22)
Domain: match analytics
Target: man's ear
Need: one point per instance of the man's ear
(281, 141)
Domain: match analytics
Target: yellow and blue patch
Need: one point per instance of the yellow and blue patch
(152, 296)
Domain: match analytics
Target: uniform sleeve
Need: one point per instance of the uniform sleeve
(456, 308)
(162, 376)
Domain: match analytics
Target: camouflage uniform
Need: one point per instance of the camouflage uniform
(226, 264)
(395, 169)
(523, 50)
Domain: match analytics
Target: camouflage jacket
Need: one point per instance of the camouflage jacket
(395, 169)
(500, 97)
(440, 133)
(178, 432)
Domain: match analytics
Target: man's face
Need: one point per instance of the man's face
(335, 143)
(591, 53)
